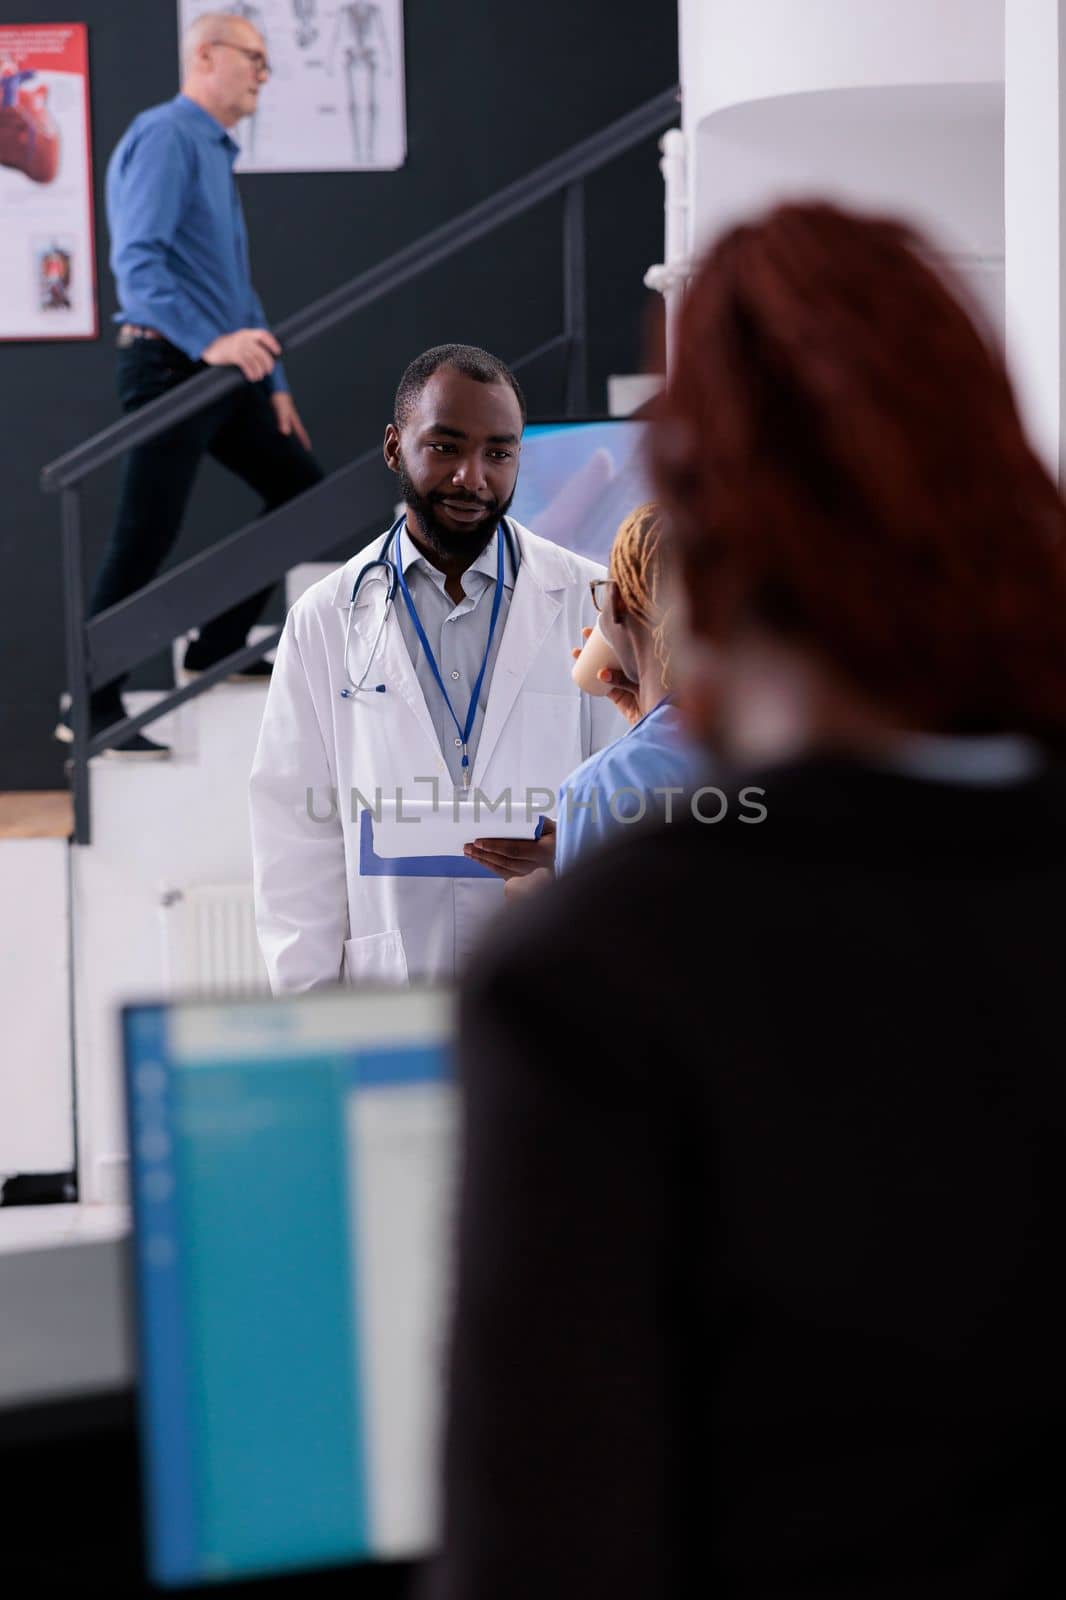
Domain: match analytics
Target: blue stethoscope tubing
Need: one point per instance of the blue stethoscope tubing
(396, 581)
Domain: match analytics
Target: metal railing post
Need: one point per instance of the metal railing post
(575, 308)
(77, 672)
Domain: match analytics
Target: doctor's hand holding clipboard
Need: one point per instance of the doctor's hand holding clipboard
(516, 858)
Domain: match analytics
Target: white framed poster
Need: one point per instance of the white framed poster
(47, 265)
(334, 101)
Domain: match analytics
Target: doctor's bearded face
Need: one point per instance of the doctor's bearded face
(456, 458)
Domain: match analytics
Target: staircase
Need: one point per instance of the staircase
(101, 648)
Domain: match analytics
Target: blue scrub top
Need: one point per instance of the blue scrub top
(617, 786)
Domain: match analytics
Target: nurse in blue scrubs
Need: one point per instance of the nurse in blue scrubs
(646, 772)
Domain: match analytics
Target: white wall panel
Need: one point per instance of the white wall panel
(737, 50)
(1034, 215)
(157, 827)
(36, 1121)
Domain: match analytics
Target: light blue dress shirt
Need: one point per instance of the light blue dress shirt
(458, 635)
(616, 787)
(179, 247)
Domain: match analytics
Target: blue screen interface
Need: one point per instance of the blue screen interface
(291, 1170)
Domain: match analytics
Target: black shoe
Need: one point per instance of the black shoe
(136, 748)
(255, 672)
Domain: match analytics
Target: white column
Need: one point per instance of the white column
(1033, 213)
(670, 277)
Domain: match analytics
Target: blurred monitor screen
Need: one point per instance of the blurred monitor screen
(579, 480)
(291, 1175)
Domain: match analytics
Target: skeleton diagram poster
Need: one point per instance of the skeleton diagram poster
(47, 277)
(334, 101)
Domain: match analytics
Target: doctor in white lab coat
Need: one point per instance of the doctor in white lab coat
(327, 907)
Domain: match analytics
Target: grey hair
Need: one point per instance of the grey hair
(206, 26)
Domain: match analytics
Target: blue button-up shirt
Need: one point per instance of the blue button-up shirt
(179, 247)
(458, 635)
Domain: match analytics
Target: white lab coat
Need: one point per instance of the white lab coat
(319, 919)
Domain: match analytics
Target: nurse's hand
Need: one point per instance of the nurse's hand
(515, 858)
(522, 888)
(623, 691)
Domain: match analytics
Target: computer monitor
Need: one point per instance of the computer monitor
(579, 479)
(291, 1175)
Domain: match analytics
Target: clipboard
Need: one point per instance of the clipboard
(425, 839)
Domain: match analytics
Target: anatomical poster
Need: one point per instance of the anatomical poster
(47, 276)
(334, 99)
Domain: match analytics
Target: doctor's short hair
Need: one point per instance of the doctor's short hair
(468, 359)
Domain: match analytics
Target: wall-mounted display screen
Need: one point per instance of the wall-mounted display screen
(580, 479)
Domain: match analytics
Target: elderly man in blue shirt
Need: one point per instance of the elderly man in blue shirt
(179, 253)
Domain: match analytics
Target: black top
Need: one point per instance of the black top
(761, 1231)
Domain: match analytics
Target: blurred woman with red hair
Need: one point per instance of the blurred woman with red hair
(853, 495)
(764, 1187)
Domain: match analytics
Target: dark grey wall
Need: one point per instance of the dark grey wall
(493, 89)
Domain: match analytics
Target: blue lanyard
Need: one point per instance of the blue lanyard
(462, 729)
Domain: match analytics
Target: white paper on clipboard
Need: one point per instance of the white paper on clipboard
(443, 827)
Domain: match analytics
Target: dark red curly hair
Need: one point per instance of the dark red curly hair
(844, 463)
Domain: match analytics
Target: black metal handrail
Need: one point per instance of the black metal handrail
(99, 650)
(377, 281)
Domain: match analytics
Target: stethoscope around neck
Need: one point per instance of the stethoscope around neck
(394, 581)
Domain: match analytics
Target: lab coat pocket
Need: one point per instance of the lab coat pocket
(376, 958)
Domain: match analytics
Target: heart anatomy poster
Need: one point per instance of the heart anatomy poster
(47, 271)
(334, 100)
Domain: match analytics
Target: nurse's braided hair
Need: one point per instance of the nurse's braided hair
(636, 565)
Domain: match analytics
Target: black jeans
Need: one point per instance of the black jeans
(241, 432)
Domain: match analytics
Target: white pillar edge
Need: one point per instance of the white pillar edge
(670, 276)
(1033, 172)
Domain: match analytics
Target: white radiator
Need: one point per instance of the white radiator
(209, 941)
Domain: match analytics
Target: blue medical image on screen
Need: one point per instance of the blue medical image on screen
(579, 480)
